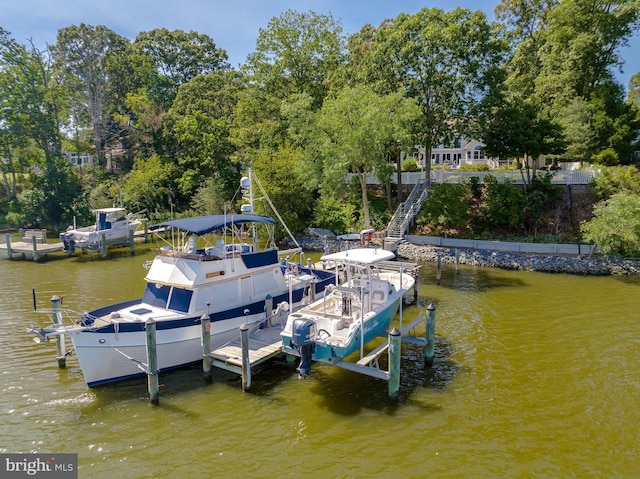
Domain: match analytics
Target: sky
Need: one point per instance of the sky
(233, 24)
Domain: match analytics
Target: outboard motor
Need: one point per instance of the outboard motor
(68, 244)
(303, 336)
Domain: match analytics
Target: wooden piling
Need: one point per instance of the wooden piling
(439, 270)
(246, 361)
(145, 224)
(56, 313)
(205, 323)
(132, 244)
(395, 341)
(268, 310)
(457, 251)
(152, 362)
(429, 348)
(34, 245)
(7, 239)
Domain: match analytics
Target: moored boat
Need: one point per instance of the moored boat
(113, 226)
(351, 314)
(221, 275)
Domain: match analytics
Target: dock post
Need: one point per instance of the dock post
(152, 362)
(104, 245)
(246, 362)
(429, 348)
(7, 239)
(205, 323)
(395, 340)
(132, 243)
(56, 313)
(268, 311)
(457, 260)
(439, 270)
(146, 230)
(34, 245)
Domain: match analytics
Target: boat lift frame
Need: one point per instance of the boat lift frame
(261, 344)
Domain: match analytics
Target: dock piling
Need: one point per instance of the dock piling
(246, 362)
(34, 245)
(395, 340)
(56, 313)
(439, 270)
(7, 239)
(131, 243)
(205, 322)
(429, 348)
(457, 252)
(152, 362)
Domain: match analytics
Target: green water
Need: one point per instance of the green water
(536, 376)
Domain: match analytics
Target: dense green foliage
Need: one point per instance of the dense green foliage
(489, 209)
(173, 127)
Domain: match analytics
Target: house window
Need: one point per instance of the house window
(478, 154)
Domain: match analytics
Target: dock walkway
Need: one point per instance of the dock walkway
(263, 344)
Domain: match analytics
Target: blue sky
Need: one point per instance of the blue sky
(233, 24)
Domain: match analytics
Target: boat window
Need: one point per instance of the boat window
(156, 295)
(180, 299)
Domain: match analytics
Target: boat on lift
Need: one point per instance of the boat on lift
(113, 226)
(224, 276)
(350, 314)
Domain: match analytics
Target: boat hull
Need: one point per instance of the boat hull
(372, 328)
(117, 350)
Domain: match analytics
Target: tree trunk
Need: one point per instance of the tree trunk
(362, 176)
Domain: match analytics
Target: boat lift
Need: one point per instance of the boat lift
(255, 347)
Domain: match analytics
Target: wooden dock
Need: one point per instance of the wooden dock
(264, 344)
(34, 249)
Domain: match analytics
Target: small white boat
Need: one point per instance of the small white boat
(112, 226)
(350, 315)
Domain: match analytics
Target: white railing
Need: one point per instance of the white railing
(560, 177)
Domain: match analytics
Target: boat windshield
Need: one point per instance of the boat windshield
(167, 297)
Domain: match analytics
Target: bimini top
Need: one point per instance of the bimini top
(201, 225)
(360, 255)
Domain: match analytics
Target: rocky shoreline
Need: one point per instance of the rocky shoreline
(580, 265)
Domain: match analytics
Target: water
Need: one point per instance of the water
(536, 375)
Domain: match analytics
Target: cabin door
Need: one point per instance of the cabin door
(246, 290)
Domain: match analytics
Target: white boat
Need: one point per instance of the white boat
(112, 226)
(350, 315)
(233, 283)
(222, 276)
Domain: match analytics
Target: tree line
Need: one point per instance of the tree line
(178, 126)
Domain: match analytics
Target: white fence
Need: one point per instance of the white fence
(560, 177)
(540, 248)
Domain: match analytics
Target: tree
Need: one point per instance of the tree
(199, 122)
(297, 53)
(446, 61)
(528, 21)
(616, 225)
(148, 185)
(88, 56)
(633, 96)
(177, 58)
(447, 208)
(516, 129)
(564, 61)
(354, 132)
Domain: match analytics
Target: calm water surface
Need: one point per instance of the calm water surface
(536, 376)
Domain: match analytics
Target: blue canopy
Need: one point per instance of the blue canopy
(201, 225)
